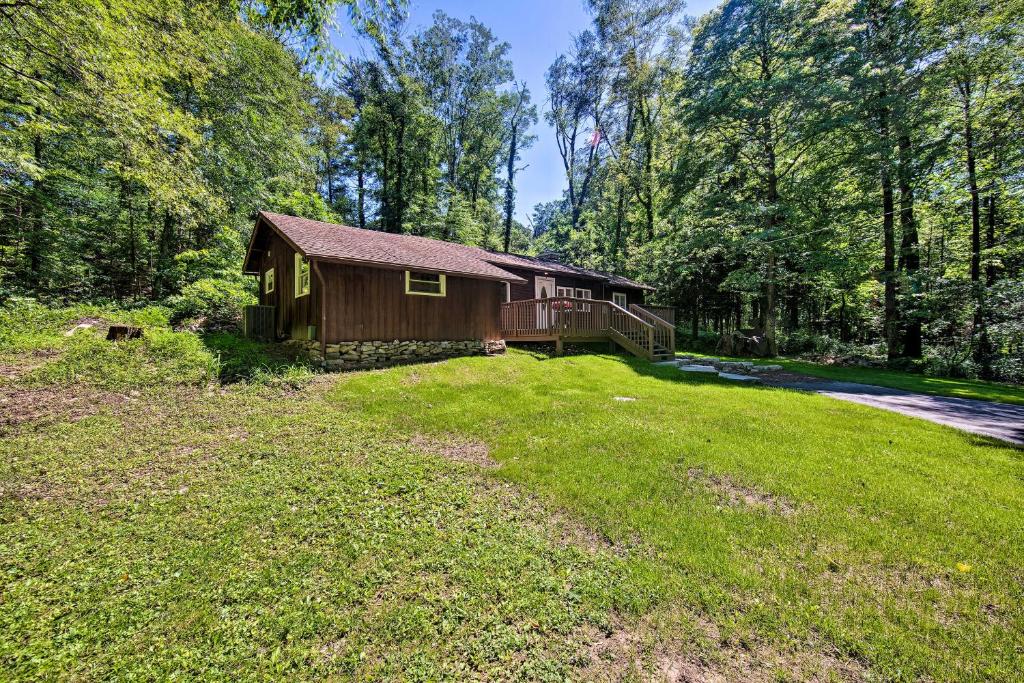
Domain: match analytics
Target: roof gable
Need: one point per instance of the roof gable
(344, 244)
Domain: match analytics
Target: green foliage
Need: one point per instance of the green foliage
(218, 303)
(72, 345)
(160, 358)
(241, 359)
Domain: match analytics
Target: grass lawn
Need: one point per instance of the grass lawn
(492, 518)
(908, 381)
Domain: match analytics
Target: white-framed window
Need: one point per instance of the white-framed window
(584, 294)
(301, 275)
(563, 291)
(268, 281)
(425, 284)
(619, 299)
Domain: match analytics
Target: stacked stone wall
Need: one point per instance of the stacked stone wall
(360, 355)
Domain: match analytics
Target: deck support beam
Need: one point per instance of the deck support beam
(558, 346)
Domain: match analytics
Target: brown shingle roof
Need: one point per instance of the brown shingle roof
(352, 245)
(345, 244)
(534, 263)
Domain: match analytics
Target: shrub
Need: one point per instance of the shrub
(247, 360)
(212, 303)
(706, 342)
(160, 357)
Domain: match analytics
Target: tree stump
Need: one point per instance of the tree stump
(118, 333)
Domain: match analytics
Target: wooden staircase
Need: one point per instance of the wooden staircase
(567, 319)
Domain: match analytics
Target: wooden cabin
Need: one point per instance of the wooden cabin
(362, 298)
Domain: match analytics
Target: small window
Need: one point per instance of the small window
(425, 284)
(564, 291)
(583, 294)
(301, 275)
(619, 299)
(268, 281)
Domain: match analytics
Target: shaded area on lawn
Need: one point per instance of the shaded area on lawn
(242, 359)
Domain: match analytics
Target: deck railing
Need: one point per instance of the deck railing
(564, 316)
(558, 318)
(666, 313)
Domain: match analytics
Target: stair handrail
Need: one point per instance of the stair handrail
(647, 344)
(645, 313)
(664, 326)
(640, 320)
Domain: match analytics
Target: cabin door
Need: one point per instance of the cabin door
(544, 287)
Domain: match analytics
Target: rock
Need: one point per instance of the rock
(738, 378)
(698, 368)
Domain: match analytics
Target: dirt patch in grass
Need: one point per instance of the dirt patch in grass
(47, 405)
(412, 379)
(736, 494)
(15, 367)
(456, 449)
(636, 652)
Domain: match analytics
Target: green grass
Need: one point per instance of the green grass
(315, 529)
(908, 381)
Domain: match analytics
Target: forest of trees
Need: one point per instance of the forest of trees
(847, 176)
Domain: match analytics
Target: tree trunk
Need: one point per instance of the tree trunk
(361, 196)
(889, 263)
(619, 215)
(36, 218)
(890, 324)
(982, 353)
(910, 255)
(990, 239)
(695, 320)
(400, 171)
(510, 188)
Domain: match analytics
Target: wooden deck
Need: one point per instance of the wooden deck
(565, 319)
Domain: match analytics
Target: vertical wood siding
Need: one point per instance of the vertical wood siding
(365, 304)
(293, 315)
(598, 289)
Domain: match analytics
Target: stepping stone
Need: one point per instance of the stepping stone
(766, 368)
(668, 362)
(698, 368)
(623, 398)
(738, 378)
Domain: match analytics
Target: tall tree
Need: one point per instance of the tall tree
(520, 117)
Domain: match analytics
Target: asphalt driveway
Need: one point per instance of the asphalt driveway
(999, 420)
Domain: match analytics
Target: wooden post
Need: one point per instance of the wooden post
(322, 295)
(650, 342)
(558, 346)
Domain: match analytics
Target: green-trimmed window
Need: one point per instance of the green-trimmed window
(425, 284)
(268, 281)
(301, 275)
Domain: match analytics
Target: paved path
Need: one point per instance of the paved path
(1000, 420)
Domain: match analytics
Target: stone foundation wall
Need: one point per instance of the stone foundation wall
(360, 355)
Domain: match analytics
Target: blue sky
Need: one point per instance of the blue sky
(538, 31)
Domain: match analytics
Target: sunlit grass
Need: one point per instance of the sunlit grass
(301, 526)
